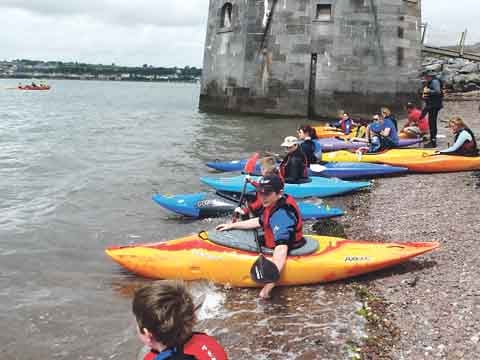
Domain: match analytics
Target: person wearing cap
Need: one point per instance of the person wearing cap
(294, 166)
(281, 222)
(416, 125)
(433, 97)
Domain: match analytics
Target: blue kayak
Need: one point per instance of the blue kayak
(203, 205)
(341, 170)
(317, 186)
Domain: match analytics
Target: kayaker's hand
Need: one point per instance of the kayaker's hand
(248, 178)
(239, 211)
(223, 227)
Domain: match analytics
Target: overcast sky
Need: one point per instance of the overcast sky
(157, 32)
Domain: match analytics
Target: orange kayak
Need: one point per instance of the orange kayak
(437, 163)
(326, 258)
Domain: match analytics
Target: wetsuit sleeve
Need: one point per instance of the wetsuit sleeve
(462, 138)
(435, 87)
(283, 224)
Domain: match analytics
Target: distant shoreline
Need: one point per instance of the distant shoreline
(191, 81)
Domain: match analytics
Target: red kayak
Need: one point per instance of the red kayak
(30, 87)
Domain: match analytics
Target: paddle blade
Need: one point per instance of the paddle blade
(264, 271)
(251, 164)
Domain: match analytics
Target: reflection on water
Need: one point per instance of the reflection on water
(78, 167)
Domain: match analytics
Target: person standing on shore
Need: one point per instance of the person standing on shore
(433, 96)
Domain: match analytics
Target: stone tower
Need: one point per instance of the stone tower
(311, 57)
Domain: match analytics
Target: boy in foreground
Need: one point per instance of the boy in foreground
(165, 316)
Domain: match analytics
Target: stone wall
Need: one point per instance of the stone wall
(367, 54)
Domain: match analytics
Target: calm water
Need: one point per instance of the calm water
(78, 166)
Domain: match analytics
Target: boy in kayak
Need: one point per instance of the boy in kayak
(294, 166)
(465, 143)
(165, 316)
(281, 222)
(254, 207)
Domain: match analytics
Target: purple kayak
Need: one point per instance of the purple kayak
(333, 144)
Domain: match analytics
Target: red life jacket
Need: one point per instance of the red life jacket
(200, 347)
(288, 203)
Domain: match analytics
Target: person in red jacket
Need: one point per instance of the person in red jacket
(165, 316)
(281, 222)
(254, 206)
(416, 126)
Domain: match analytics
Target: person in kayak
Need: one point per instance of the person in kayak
(294, 166)
(254, 205)
(281, 222)
(433, 97)
(310, 149)
(165, 316)
(416, 125)
(383, 133)
(465, 142)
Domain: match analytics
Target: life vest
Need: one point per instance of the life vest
(468, 148)
(346, 125)
(283, 165)
(199, 347)
(285, 202)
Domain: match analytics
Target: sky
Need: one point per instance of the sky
(156, 32)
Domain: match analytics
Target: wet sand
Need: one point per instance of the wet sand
(430, 306)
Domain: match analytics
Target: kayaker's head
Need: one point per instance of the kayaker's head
(410, 107)
(290, 143)
(386, 112)
(270, 190)
(456, 124)
(345, 116)
(268, 166)
(165, 314)
(306, 132)
(376, 117)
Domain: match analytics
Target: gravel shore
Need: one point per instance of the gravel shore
(433, 303)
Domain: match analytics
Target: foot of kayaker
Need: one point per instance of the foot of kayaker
(266, 292)
(281, 222)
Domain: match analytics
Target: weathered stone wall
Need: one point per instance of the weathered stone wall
(368, 55)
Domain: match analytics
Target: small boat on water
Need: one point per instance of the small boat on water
(31, 87)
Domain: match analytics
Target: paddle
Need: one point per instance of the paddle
(248, 170)
(263, 271)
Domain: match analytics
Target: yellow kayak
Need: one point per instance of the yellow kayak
(385, 157)
(226, 258)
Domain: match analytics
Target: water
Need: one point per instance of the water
(78, 166)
